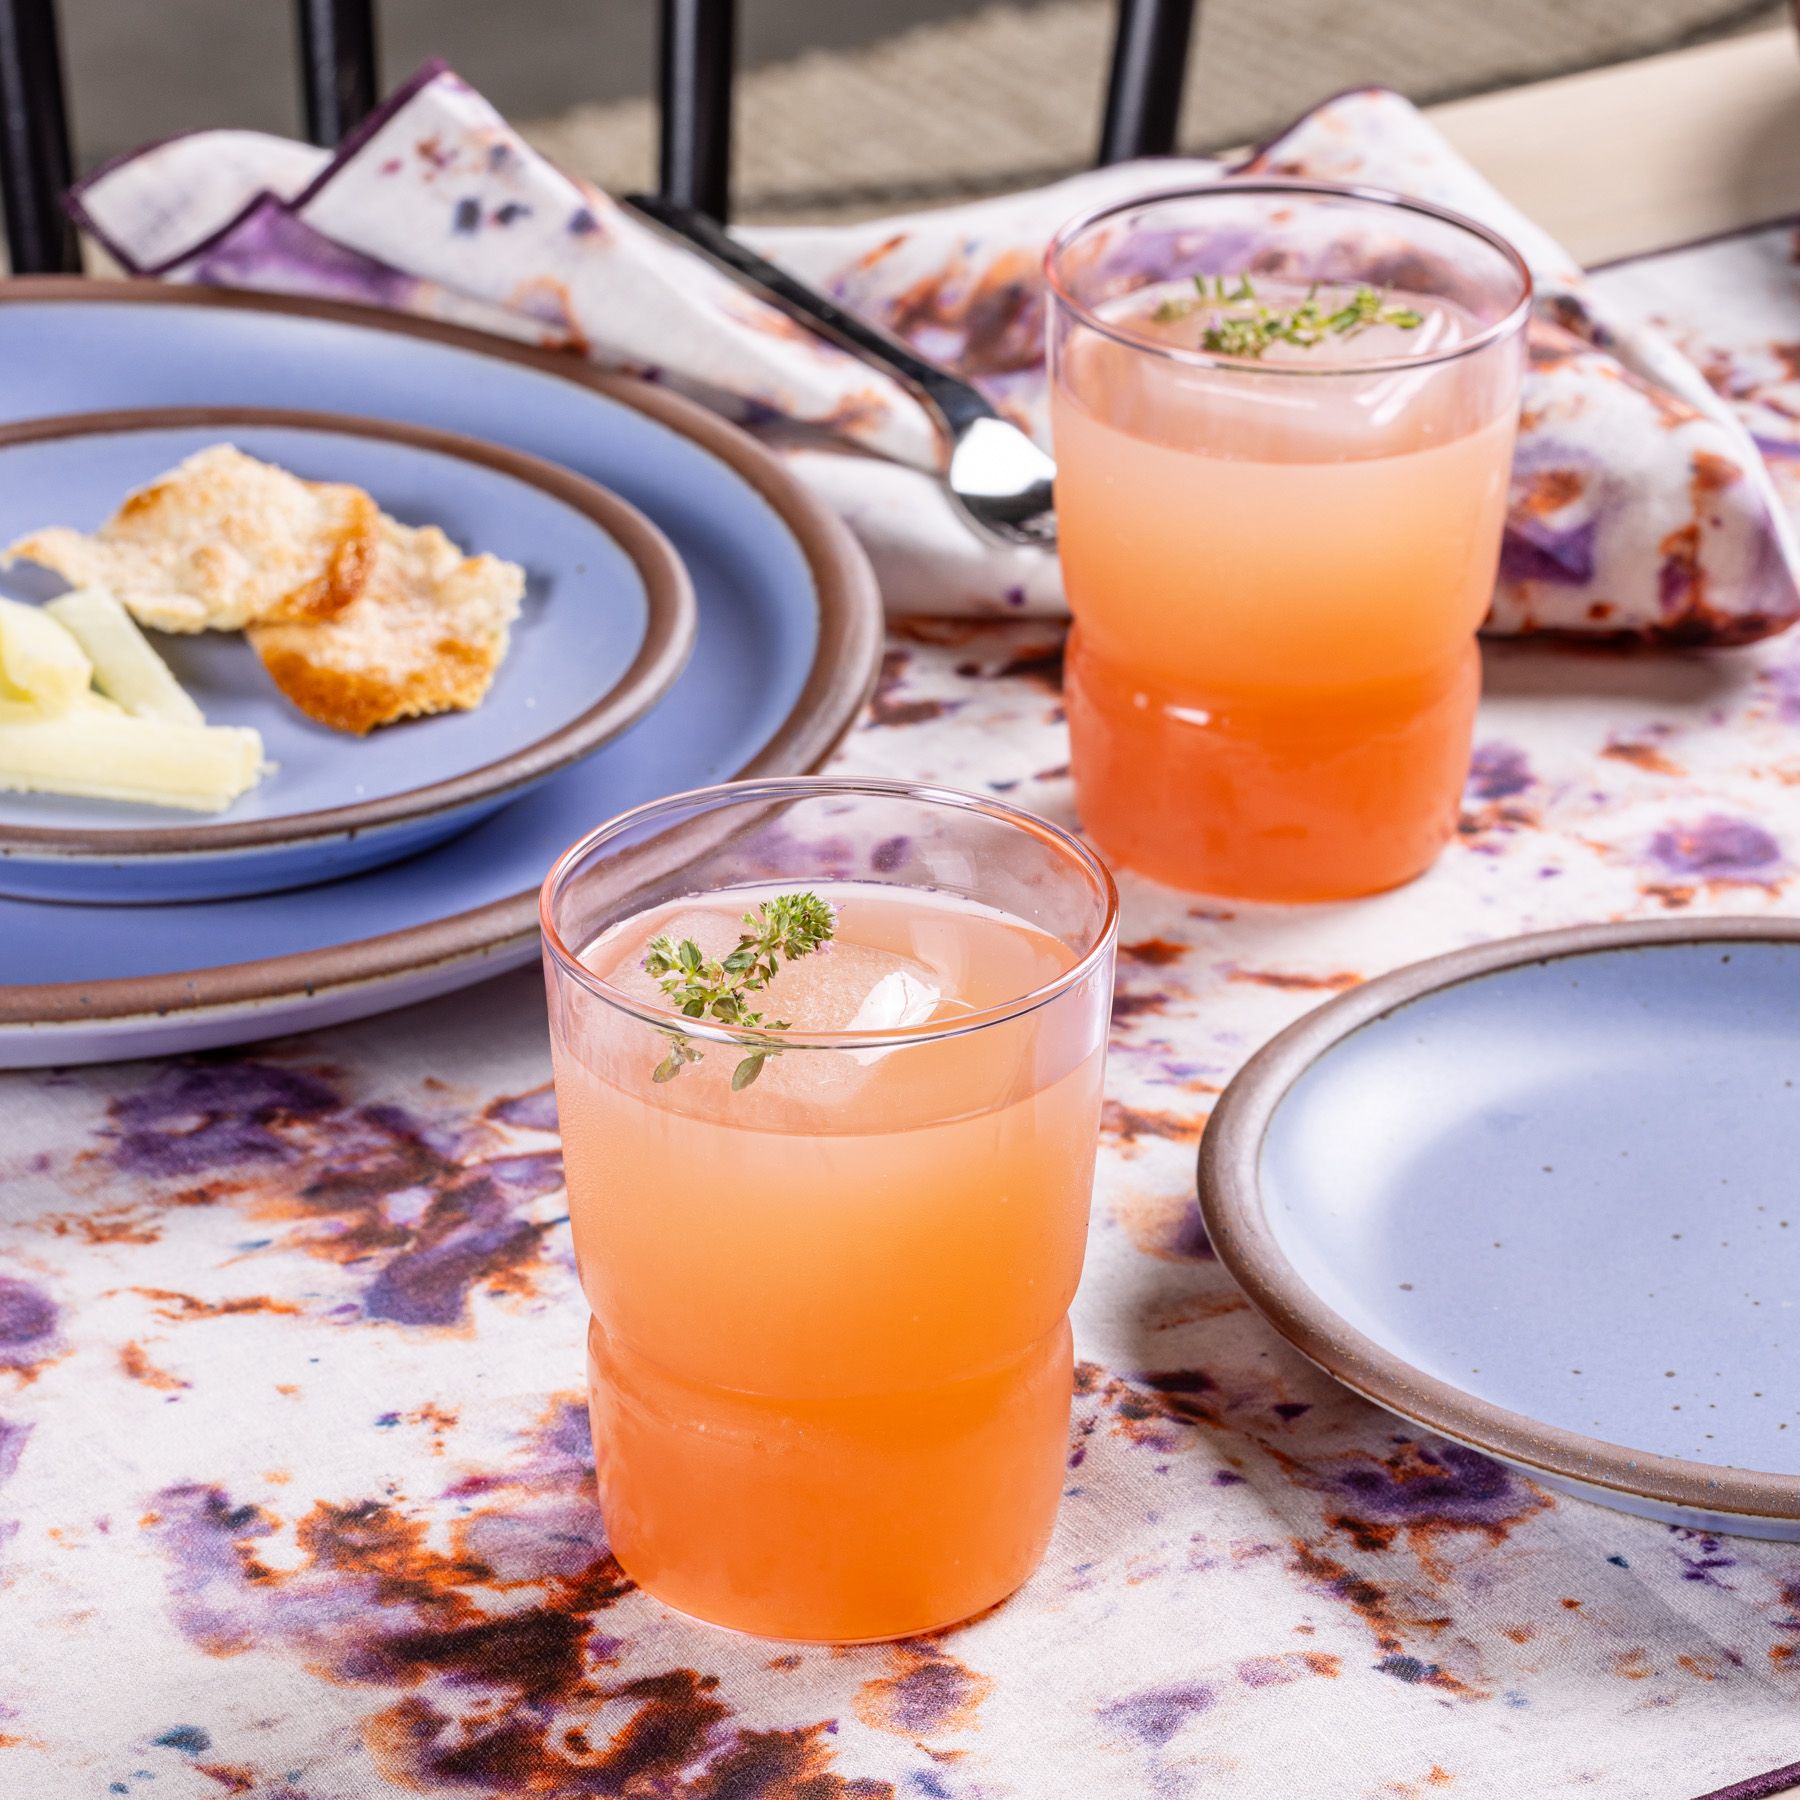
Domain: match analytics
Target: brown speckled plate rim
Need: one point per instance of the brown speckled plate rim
(1231, 1206)
(669, 628)
(845, 664)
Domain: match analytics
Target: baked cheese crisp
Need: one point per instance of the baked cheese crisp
(424, 636)
(359, 620)
(219, 543)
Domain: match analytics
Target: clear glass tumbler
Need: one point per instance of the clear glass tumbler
(1284, 419)
(829, 1355)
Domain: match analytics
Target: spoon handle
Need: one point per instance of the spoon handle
(953, 398)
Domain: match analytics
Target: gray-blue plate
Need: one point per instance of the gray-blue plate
(606, 623)
(1541, 1197)
(789, 640)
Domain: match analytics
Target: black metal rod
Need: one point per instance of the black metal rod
(338, 77)
(695, 85)
(34, 141)
(1149, 69)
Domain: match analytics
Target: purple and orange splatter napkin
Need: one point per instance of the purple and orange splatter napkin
(1642, 504)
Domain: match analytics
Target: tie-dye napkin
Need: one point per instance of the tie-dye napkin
(1641, 504)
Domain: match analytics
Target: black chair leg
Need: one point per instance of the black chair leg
(34, 141)
(338, 79)
(695, 86)
(1149, 69)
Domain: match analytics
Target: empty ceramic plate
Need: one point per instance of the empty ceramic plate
(1541, 1197)
(605, 625)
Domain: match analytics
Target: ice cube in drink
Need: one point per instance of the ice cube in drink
(843, 986)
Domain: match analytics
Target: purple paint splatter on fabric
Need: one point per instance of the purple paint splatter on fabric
(1718, 848)
(269, 247)
(430, 1285)
(1785, 682)
(27, 1323)
(1189, 1241)
(1455, 1486)
(1534, 551)
(1155, 1716)
(567, 1441)
(1676, 584)
(194, 1118)
(1498, 771)
(535, 1111)
(469, 1231)
(12, 1447)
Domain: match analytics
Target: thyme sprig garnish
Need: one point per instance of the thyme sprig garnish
(1244, 326)
(788, 927)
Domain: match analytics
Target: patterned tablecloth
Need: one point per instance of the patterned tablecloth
(295, 1482)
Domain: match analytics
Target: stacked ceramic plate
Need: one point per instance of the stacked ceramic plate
(689, 616)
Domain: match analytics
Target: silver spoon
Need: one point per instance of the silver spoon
(996, 474)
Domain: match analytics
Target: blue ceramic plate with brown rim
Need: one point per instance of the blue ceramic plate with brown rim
(788, 642)
(1540, 1197)
(605, 624)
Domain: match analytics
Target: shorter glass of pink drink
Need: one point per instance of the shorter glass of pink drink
(1284, 419)
(828, 1066)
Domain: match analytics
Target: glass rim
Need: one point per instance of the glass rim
(1505, 326)
(799, 787)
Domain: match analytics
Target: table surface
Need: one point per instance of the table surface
(295, 1483)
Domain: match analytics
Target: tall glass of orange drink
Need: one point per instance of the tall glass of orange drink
(828, 1065)
(1284, 420)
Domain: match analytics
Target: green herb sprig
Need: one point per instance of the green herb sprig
(1244, 326)
(788, 927)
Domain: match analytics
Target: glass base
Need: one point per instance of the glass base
(836, 1643)
(1318, 797)
(830, 1519)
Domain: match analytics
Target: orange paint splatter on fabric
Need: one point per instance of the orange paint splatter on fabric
(1642, 756)
(1548, 491)
(1129, 1123)
(1154, 952)
(1163, 1224)
(1288, 980)
(137, 1366)
(1371, 1603)
(924, 1694)
(176, 1306)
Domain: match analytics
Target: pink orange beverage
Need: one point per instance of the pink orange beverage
(829, 1361)
(1283, 421)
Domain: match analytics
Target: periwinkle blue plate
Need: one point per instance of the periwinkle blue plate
(1541, 1197)
(606, 622)
(789, 639)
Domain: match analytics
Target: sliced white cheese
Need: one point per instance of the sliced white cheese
(101, 755)
(125, 666)
(24, 712)
(39, 661)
